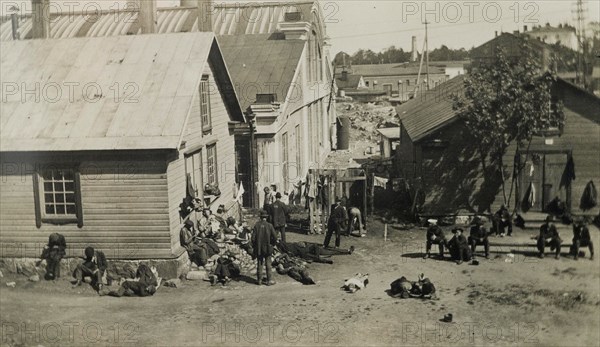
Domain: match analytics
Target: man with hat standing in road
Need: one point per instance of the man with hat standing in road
(280, 214)
(336, 223)
(478, 235)
(435, 236)
(263, 241)
(549, 236)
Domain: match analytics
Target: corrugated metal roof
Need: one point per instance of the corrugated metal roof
(228, 19)
(261, 64)
(394, 69)
(430, 110)
(390, 133)
(116, 92)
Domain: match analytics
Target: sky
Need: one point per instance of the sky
(376, 25)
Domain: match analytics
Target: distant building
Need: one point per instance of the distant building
(565, 35)
(389, 139)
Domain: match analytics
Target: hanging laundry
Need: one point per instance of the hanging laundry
(380, 182)
(589, 199)
(240, 193)
(311, 185)
(529, 199)
(570, 169)
(531, 169)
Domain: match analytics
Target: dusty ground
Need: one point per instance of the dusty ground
(531, 302)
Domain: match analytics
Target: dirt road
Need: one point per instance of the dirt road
(529, 302)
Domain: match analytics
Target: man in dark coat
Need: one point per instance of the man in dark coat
(53, 253)
(280, 214)
(459, 247)
(188, 240)
(336, 223)
(478, 235)
(435, 236)
(581, 237)
(94, 266)
(549, 236)
(263, 240)
(501, 220)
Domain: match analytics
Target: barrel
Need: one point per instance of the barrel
(343, 133)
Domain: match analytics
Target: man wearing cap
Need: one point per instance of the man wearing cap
(187, 239)
(205, 228)
(478, 235)
(581, 237)
(549, 236)
(263, 241)
(435, 235)
(501, 220)
(280, 214)
(94, 266)
(335, 224)
(459, 247)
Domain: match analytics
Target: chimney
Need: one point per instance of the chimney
(147, 16)
(205, 12)
(524, 28)
(344, 74)
(413, 52)
(40, 14)
(496, 33)
(15, 26)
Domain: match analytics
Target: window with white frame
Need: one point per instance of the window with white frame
(211, 164)
(58, 196)
(205, 104)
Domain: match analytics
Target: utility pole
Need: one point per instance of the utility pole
(580, 13)
(426, 54)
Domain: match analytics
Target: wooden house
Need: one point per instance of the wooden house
(389, 139)
(278, 56)
(438, 158)
(101, 136)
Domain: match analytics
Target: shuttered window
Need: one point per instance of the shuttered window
(58, 197)
(211, 164)
(205, 104)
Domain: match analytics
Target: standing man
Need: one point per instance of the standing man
(435, 236)
(549, 235)
(94, 266)
(280, 214)
(269, 199)
(336, 222)
(581, 237)
(263, 241)
(478, 235)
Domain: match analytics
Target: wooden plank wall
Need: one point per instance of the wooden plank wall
(124, 200)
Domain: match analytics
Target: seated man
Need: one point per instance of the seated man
(225, 270)
(53, 253)
(188, 239)
(581, 237)
(459, 247)
(549, 235)
(354, 218)
(501, 220)
(145, 284)
(94, 266)
(478, 235)
(435, 236)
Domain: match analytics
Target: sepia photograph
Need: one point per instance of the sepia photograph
(299, 173)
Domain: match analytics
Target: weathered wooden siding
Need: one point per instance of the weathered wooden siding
(124, 201)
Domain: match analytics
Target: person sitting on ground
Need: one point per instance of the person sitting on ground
(225, 270)
(549, 236)
(459, 247)
(188, 238)
(435, 236)
(502, 220)
(581, 238)
(311, 251)
(93, 266)
(263, 242)
(478, 235)
(354, 218)
(145, 284)
(205, 223)
(53, 253)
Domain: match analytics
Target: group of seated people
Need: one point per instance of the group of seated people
(463, 248)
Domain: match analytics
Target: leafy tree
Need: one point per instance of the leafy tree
(506, 101)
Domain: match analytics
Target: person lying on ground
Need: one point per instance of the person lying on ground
(53, 253)
(459, 247)
(293, 267)
(358, 282)
(93, 266)
(435, 236)
(581, 238)
(311, 251)
(133, 288)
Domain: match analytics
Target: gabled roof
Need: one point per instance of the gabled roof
(430, 110)
(261, 64)
(228, 19)
(104, 93)
(390, 133)
(368, 70)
